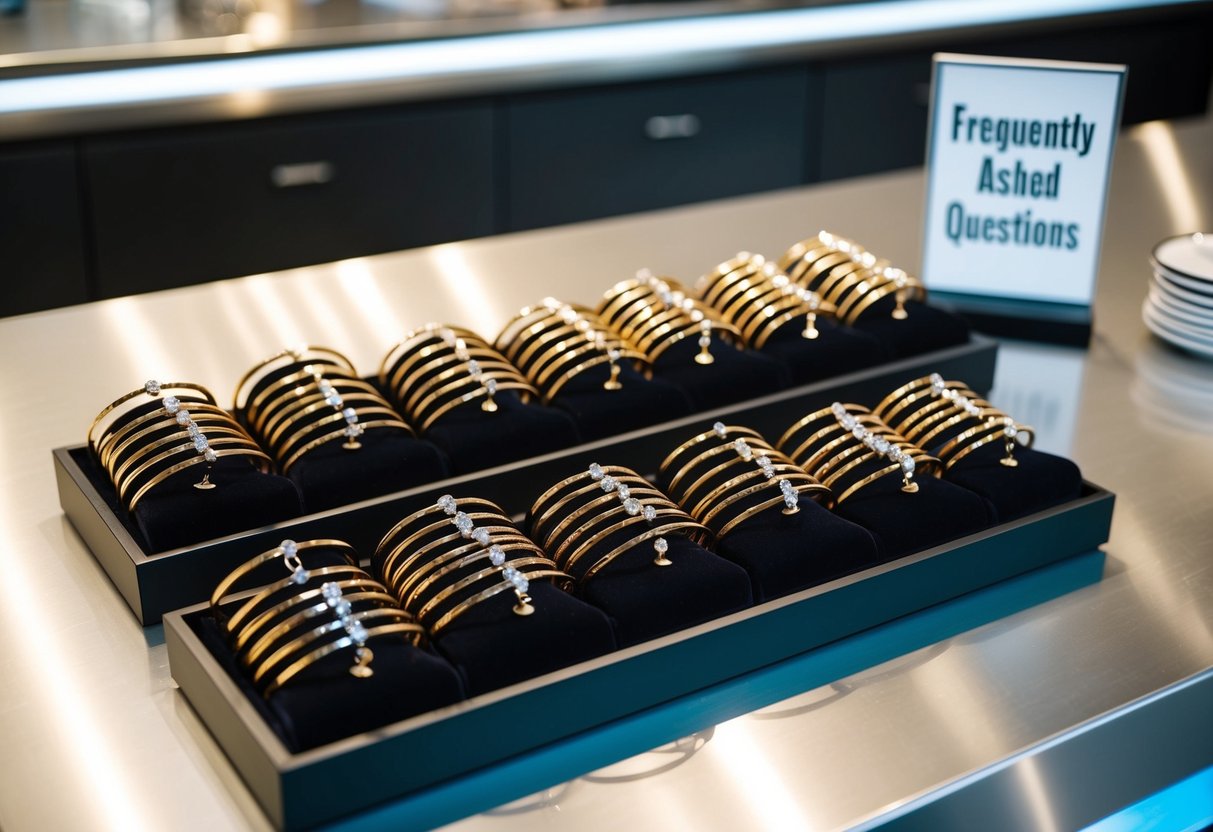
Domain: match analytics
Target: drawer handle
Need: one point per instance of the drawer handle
(681, 126)
(301, 174)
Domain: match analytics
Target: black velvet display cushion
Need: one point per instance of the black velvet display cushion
(905, 523)
(388, 461)
(645, 601)
(325, 703)
(926, 328)
(474, 440)
(735, 375)
(787, 553)
(836, 350)
(639, 403)
(176, 514)
(492, 647)
(1039, 481)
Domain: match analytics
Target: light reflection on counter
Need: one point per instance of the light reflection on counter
(1174, 184)
(361, 288)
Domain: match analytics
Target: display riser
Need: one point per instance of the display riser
(312, 787)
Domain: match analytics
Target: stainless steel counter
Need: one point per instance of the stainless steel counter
(107, 64)
(95, 735)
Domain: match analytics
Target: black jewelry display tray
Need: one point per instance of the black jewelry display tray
(154, 584)
(672, 674)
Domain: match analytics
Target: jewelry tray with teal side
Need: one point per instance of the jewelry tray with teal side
(155, 584)
(537, 732)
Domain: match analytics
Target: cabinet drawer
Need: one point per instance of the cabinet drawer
(595, 153)
(40, 229)
(189, 207)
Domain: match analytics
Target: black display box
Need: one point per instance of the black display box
(155, 584)
(420, 753)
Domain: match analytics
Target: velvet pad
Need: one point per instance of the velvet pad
(836, 350)
(906, 523)
(1040, 480)
(176, 514)
(388, 461)
(645, 601)
(326, 703)
(787, 553)
(735, 375)
(492, 647)
(924, 330)
(639, 403)
(474, 440)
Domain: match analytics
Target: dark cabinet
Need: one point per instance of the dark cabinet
(874, 110)
(185, 207)
(581, 154)
(41, 241)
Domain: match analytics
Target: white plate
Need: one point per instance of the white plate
(1194, 315)
(1179, 325)
(1190, 255)
(1179, 293)
(1149, 316)
(1205, 290)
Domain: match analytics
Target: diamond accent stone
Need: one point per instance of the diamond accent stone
(151, 387)
(447, 503)
(482, 536)
(289, 548)
(496, 555)
(463, 523)
(631, 506)
(350, 415)
(907, 464)
(650, 513)
(719, 429)
(172, 404)
(521, 583)
(357, 632)
(490, 386)
(343, 608)
(608, 484)
(508, 573)
(743, 449)
(210, 456)
(596, 472)
(614, 354)
(331, 592)
(201, 444)
(334, 399)
(299, 576)
(183, 417)
(474, 368)
(623, 491)
(790, 497)
(661, 545)
(192, 429)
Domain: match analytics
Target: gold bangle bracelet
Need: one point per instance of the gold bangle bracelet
(420, 545)
(186, 454)
(339, 433)
(409, 596)
(143, 442)
(302, 372)
(361, 667)
(255, 628)
(730, 431)
(153, 390)
(556, 540)
(416, 570)
(257, 457)
(292, 424)
(494, 572)
(687, 525)
(616, 518)
(271, 638)
(433, 412)
(542, 514)
(287, 551)
(815, 490)
(423, 515)
(466, 604)
(112, 441)
(301, 644)
(351, 391)
(285, 358)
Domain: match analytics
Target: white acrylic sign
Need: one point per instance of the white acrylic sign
(1018, 163)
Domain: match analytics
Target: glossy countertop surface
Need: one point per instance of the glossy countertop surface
(96, 736)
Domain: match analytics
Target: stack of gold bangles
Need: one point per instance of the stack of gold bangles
(152, 433)
(655, 313)
(588, 520)
(729, 474)
(848, 448)
(554, 342)
(438, 368)
(848, 277)
(303, 398)
(951, 420)
(443, 560)
(759, 300)
(290, 624)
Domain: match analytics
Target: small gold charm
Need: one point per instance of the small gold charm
(613, 382)
(361, 669)
(908, 486)
(810, 326)
(205, 484)
(661, 546)
(523, 607)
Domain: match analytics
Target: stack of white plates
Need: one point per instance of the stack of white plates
(1179, 308)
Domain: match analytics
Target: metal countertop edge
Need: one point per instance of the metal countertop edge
(258, 84)
(1102, 744)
